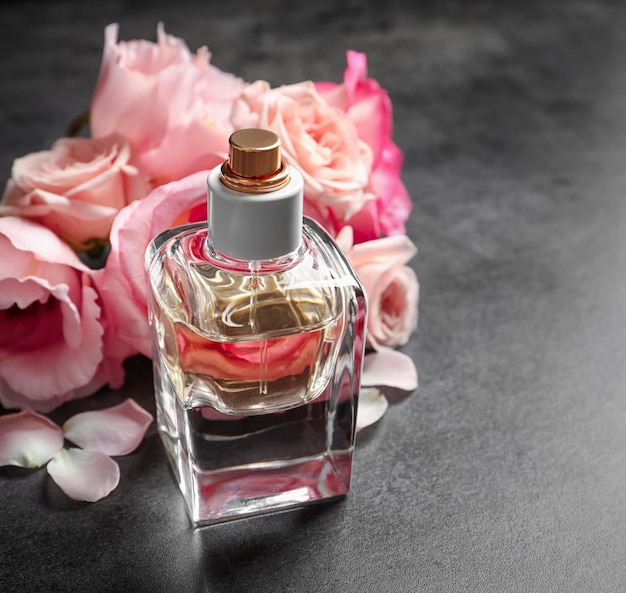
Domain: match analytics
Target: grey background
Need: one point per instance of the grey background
(506, 470)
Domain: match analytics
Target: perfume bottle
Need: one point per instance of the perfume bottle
(258, 330)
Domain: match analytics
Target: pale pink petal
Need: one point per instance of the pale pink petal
(42, 202)
(125, 316)
(126, 319)
(372, 406)
(322, 215)
(186, 149)
(324, 86)
(84, 475)
(28, 439)
(388, 250)
(14, 399)
(12, 267)
(345, 239)
(356, 70)
(31, 237)
(389, 368)
(114, 431)
(21, 292)
(115, 352)
(140, 92)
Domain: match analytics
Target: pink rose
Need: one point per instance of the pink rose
(51, 332)
(319, 140)
(392, 287)
(173, 106)
(121, 283)
(76, 188)
(369, 108)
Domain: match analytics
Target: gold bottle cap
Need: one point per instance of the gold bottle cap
(254, 164)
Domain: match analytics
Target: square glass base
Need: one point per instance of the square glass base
(229, 467)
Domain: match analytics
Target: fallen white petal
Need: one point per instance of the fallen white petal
(84, 475)
(389, 368)
(28, 439)
(372, 406)
(114, 431)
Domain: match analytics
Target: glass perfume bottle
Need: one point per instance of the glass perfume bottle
(258, 326)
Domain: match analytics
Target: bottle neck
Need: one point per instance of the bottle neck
(254, 266)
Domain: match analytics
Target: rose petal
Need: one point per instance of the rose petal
(84, 475)
(372, 406)
(30, 237)
(114, 431)
(389, 368)
(28, 439)
(388, 251)
(345, 238)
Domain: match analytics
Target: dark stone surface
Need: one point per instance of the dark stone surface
(506, 470)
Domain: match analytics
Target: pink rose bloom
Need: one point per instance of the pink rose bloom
(319, 140)
(51, 335)
(369, 108)
(76, 188)
(172, 106)
(121, 283)
(391, 286)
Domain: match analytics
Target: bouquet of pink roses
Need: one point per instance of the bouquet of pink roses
(75, 219)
